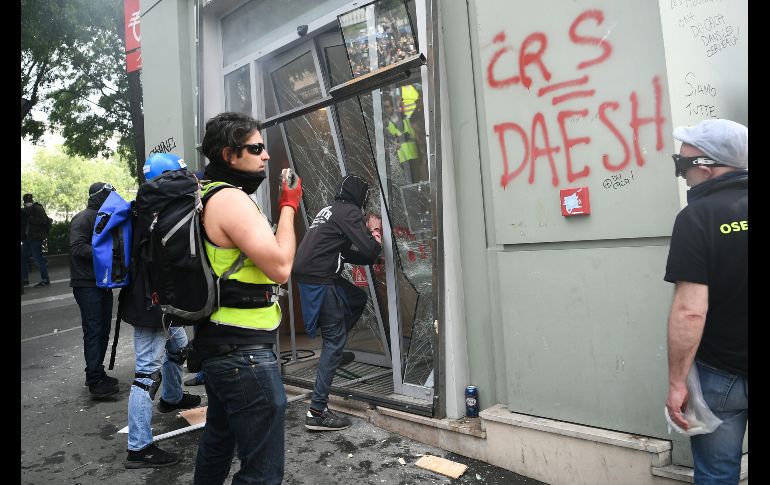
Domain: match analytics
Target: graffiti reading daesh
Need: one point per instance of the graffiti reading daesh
(536, 140)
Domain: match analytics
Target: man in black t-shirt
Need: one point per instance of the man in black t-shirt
(708, 322)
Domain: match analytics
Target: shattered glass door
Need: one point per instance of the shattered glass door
(316, 151)
(375, 36)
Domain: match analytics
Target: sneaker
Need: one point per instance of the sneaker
(110, 379)
(102, 389)
(327, 421)
(42, 283)
(150, 457)
(195, 380)
(347, 358)
(188, 401)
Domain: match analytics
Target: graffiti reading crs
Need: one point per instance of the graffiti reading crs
(527, 69)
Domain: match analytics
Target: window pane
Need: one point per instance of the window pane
(377, 35)
(238, 91)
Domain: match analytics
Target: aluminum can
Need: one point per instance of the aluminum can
(471, 402)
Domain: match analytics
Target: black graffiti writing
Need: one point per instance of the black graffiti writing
(164, 147)
(617, 180)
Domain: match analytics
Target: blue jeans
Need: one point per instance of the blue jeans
(33, 248)
(342, 307)
(717, 455)
(150, 347)
(246, 406)
(96, 315)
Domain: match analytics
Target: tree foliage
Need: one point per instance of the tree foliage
(74, 71)
(60, 182)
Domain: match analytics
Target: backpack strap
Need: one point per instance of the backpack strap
(115, 337)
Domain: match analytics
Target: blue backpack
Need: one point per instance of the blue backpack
(111, 242)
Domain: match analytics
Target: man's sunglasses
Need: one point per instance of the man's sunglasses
(253, 148)
(681, 164)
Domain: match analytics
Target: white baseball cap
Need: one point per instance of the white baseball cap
(724, 141)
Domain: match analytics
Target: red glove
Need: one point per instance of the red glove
(290, 191)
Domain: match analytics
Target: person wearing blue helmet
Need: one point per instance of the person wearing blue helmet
(158, 163)
(158, 360)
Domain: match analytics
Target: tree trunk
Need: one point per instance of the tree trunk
(137, 121)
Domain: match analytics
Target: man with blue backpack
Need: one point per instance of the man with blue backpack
(95, 303)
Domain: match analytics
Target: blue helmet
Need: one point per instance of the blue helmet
(161, 162)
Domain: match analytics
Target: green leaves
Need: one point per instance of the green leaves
(73, 70)
(60, 182)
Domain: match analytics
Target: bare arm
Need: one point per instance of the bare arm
(686, 321)
(231, 220)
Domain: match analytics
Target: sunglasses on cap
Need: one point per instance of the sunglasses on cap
(108, 187)
(681, 164)
(253, 148)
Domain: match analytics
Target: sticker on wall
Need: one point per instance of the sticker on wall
(575, 202)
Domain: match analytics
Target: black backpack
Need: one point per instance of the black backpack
(172, 282)
(180, 280)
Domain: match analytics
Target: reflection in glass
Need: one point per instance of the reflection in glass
(238, 90)
(411, 222)
(382, 30)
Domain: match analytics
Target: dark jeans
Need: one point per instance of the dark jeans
(96, 315)
(246, 407)
(342, 307)
(33, 248)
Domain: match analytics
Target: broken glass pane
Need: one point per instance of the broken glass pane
(377, 35)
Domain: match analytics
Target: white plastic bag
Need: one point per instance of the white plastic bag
(698, 414)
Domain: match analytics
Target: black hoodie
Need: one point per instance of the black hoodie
(337, 235)
(81, 229)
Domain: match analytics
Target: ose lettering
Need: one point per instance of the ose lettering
(734, 226)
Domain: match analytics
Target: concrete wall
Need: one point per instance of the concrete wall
(566, 316)
(168, 78)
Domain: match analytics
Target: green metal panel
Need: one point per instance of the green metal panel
(585, 335)
(575, 95)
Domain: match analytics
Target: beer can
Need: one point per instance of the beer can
(471, 401)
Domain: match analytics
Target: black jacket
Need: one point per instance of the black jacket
(81, 229)
(37, 222)
(337, 235)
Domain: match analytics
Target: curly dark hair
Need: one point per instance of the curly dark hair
(228, 129)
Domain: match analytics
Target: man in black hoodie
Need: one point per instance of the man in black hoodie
(337, 235)
(95, 303)
(708, 325)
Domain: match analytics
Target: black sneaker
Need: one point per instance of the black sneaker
(188, 401)
(327, 421)
(347, 358)
(150, 457)
(110, 379)
(102, 389)
(42, 283)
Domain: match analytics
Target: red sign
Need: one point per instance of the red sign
(131, 18)
(359, 276)
(575, 201)
(134, 60)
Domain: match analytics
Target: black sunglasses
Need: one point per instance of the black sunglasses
(253, 148)
(681, 164)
